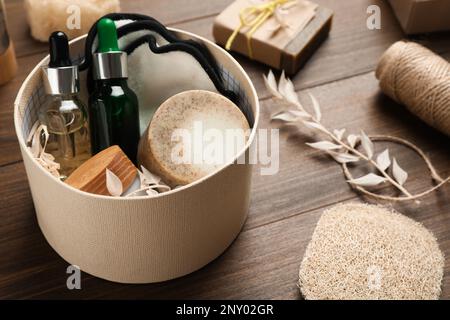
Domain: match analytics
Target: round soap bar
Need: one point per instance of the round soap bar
(191, 135)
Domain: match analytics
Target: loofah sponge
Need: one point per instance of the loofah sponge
(361, 251)
(46, 16)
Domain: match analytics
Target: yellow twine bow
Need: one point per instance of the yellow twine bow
(253, 17)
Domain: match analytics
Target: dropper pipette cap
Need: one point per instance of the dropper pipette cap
(109, 62)
(60, 76)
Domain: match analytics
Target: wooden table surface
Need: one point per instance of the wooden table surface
(263, 262)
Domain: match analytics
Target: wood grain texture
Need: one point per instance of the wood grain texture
(263, 262)
(167, 11)
(10, 148)
(351, 48)
(307, 182)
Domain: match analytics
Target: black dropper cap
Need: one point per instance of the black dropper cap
(59, 50)
(60, 76)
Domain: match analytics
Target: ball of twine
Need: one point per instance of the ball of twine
(416, 77)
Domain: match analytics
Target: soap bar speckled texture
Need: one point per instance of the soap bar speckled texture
(181, 131)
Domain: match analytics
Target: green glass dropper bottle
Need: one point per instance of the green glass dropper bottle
(113, 106)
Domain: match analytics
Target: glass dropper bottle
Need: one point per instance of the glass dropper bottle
(113, 105)
(64, 113)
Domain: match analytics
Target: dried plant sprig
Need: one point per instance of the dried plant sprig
(150, 184)
(343, 149)
(113, 184)
(38, 133)
(399, 174)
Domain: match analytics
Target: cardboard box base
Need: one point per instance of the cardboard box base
(144, 239)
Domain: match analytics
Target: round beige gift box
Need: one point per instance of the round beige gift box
(139, 240)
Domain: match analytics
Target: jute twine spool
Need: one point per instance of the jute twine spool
(416, 77)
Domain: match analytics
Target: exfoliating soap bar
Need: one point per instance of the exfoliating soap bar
(281, 49)
(91, 175)
(187, 137)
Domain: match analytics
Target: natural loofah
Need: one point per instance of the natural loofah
(361, 251)
(46, 16)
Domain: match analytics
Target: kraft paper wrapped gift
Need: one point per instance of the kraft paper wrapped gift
(420, 16)
(285, 40)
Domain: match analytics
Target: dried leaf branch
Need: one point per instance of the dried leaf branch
(37, 142)
(150, 184)
(344, 149)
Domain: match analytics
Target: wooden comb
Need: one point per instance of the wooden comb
(91, 175)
